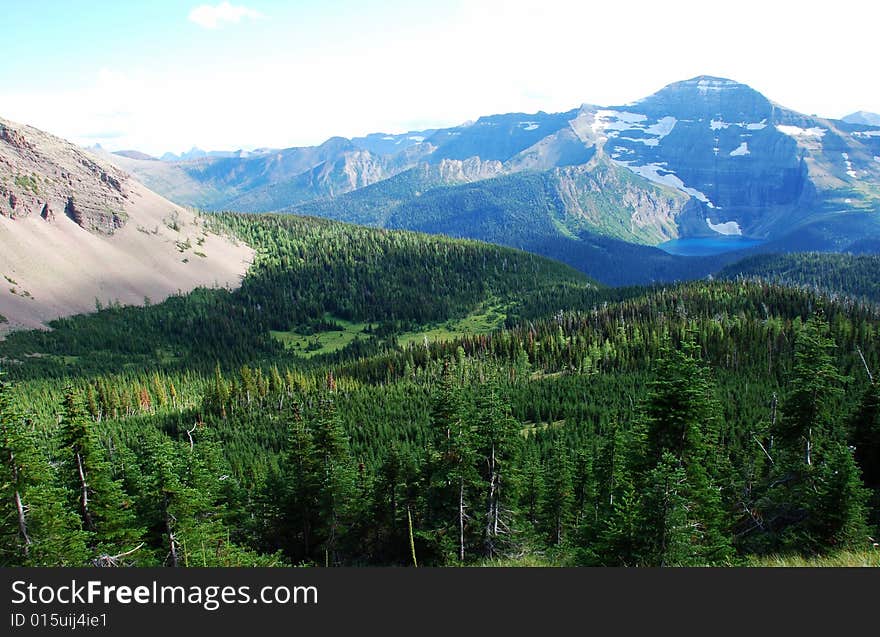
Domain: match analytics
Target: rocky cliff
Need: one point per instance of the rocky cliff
(76, 232)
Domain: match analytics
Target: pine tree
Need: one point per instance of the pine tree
(387, 506)
(674, 538)
(105, 510)
(189, 509)
(298, 485)
(838, 508)
(35, 527)
(337, 476)
(454, 476)
(498, 440)
(815, 499)
(808, 411)
(585, 486)
(681, 419)
(557, 508)
(531, 485)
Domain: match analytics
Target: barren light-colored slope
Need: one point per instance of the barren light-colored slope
(60, 263)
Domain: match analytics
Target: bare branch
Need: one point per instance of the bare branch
(113, 560)
(865, 363)
(764, 450)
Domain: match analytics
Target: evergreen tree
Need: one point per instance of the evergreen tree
(336, 483)
(815, 499)
(681, 419)
(454, 477)
(674, 538)
(106, 512)
(388, 536)
(838, 511)
(35, 527)
(531, 486)
(809, 416)
(298, 485)
(557, 510)
(498, 440)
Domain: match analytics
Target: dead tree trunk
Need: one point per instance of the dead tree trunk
(172, 539)
(84, 495)
(491, 507)
(22, 524)
(461, 519)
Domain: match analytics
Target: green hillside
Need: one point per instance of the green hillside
(399, 283)
(706, 423)
(573, 215)
(851, 275)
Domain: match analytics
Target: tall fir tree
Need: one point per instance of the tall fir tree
(106, 511)
(453, 475)
(295, 492)
(681, 421)
(36, 529)
(557, 507)
(815, 499)
(498, 447)
(337, 475)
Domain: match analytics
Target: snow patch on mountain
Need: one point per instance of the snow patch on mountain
(727, 228)
(720, 124)
(849, 167)
(529, 125)
(742, 149)
(613, 123)
(663, 127)
(605, 120)
(659, 174)
(797, 131)
(705, 85)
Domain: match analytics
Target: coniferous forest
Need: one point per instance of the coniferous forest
(478, 405)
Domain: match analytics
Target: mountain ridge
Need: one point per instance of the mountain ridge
(705, 137)
(77, 232)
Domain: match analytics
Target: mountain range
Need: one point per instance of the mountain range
(599, 188)
(702, 159)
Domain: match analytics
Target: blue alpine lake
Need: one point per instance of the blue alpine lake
(706, 246)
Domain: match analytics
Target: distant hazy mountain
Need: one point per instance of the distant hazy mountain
(385, 144)
(132, 154)
(198, 153)
(260, 182)
(863, 117)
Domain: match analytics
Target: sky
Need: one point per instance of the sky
(166, 75)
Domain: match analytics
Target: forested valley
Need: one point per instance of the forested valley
(489, 407)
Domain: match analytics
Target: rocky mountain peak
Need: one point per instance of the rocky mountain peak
(864, 118)
(708, 96)
(41, 174)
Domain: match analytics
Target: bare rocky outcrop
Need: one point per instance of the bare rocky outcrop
(40, 173)
(47, 213)
(13, 137)
(467, 170)
(74, 229)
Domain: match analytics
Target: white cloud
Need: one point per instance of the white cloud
(212, 17)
